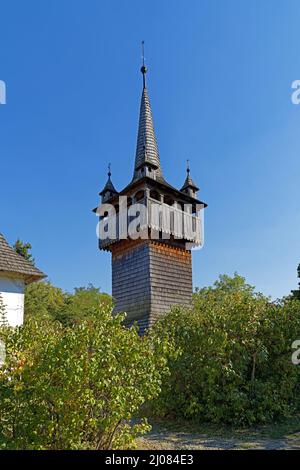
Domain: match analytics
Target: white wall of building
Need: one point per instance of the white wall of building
(12, 293)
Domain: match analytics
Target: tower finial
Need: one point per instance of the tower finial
(143, 68)
(143, 52)
(188, 166)
(109, 171)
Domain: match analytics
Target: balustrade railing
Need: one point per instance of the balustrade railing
(158, 216)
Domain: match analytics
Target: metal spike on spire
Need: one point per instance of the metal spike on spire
(143, 52)
(188, 166)
(189, 183)
(109, 187)
(143, 68)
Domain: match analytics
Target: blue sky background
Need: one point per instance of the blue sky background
(220, 75)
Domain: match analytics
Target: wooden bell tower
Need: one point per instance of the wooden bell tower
(152, 270)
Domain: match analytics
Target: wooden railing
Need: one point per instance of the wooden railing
(174, 221)
(160, 217)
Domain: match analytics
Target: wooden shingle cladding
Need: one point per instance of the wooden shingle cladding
(146, 148)
(148, 278)
(15, 273)
(14, 265)
(131, 281)
(171, 278)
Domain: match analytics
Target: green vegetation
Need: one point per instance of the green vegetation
(76, 387)
(232, 361)
(3, 318)
(296, 293)
(24, 249)
(76, 378)
(42, 299)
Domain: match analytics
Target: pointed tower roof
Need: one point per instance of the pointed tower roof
(189, 183)
(109, 185)
(146, 148)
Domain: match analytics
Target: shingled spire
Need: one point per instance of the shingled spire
(109, 190)
(189, 186)
(147, 161)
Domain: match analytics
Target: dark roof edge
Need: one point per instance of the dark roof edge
(163, 184)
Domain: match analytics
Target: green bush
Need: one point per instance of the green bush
(44, 299)
(233, 356)
(76, 387)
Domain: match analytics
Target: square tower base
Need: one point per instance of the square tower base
(148, 277)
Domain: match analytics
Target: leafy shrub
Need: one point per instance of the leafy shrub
(296, 293)
(44, 299)
(3, 317)
(76, 387)
(233, 356)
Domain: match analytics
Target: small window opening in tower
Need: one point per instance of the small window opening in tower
(169, 200)
(154, 195)
(139, 196)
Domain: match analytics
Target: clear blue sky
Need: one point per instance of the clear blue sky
(220, 75)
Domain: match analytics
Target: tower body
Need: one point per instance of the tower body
(148, 278)
(154, 229)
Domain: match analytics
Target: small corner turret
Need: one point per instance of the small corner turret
(189, 186)
(109, 190)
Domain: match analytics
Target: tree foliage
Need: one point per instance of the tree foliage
(24, 249)
(74, 377)
(296, 293)
(44, 299)
(76, 387)
(233, 356)
(3, 316)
